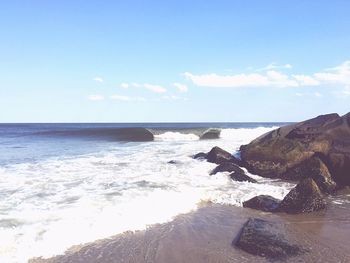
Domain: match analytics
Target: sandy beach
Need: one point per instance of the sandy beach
(206, 235)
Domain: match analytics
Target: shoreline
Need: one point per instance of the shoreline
(206, 235)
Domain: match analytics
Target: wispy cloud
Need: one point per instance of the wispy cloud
(180, 87)
(273, 66)
(339, 76)
(125, 85)
(95, 97)
(150, 87)
(126, 98)
(154, 88)
(98, 79)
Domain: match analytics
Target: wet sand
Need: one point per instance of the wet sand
(206, 235)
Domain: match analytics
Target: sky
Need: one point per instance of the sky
(173, 61)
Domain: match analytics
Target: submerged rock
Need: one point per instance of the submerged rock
(263, 202)
(267, 239)
(227, 167)
(241, 177)
(210, 134)
(313, 168)
(200, 156)
(305, 197)
(272, 154)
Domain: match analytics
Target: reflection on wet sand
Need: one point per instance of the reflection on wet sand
(206, 236)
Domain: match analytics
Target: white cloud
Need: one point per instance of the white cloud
(124, 85)
(305, 80)
(273, 65)
(126, 98)
(270, 78)
(299, 94)
(180, 87)
(335, 76)
(150, 87)
(154, 88)
(95, 97)
(317, 94)
(98, 79)
(120, 97)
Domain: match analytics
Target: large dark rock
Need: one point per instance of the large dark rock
(267, 239)
(227, 167)
(312, 168)
(218, 156)
(305, 197)
(274, 153)
(242, 177)
(263, 202)
(210, 134)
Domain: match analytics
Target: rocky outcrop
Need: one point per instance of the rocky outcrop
(267, 239)
(305, 197)
(227, 167)
(241, 177)
(312, 168)
(274, 153)
(263, 202)
(210, 134)
(218, 156)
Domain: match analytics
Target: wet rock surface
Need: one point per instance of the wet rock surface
(227, 167)
(239, 177)
(267, 239)
(305, 197)
(273, 154)
(263, 202)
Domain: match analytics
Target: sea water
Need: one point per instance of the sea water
(67, 184)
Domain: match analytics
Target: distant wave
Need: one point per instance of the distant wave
(113, 134)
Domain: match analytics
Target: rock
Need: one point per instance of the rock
(274, 153)
(267, 239)
(218, 156)
(210, 134)
(305, 197)
(263, 202)
(227, 167)
(242, 177)
(200, 156)
(172, 162)
(312, 168)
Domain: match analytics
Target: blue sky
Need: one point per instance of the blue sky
(155, 61)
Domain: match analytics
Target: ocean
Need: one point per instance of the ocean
(68, 184)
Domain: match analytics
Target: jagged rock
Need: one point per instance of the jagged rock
(242, 177)
(267, 239)
(263, 202)
(218, 155)
(210, 134)
(172, 162)
(200, 156)
(227, 167)
(272, 154)
(312, 168)
(305, 197)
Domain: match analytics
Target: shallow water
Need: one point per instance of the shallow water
(206, 235)
(57, 192)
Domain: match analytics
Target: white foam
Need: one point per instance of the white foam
(54, 204)
(176, 136)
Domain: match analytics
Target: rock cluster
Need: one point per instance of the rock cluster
(318, 148)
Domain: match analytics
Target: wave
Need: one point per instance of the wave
(176, 136)
(113, 134)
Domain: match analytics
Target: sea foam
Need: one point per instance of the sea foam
(50, 205)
